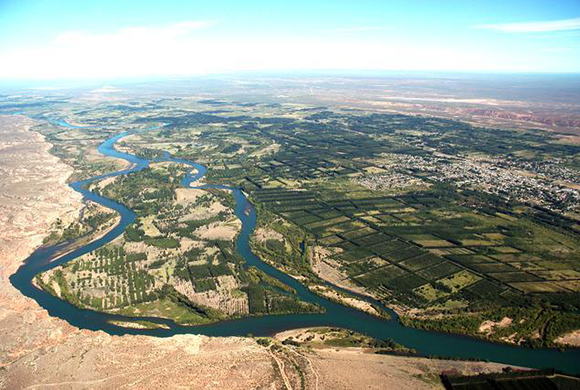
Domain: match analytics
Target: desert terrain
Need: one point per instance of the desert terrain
(482, 101)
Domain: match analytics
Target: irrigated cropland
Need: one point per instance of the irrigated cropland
(459, 228)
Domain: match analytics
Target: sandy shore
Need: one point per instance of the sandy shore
(353, 367)
(571, 339)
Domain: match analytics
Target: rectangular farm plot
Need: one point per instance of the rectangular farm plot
(459, 280)
(494, 236)
(387, 247)
(508, 277)
(329, 214)
(439, 271)
(295, 214)
(337, 229)
(364, 266)
(347, 246)
(486, 289)
(434, 243)
(468, 260)
(377, 278)
(528, 266)
(405, 253)
(318, 223)
(304, 220)
(371, 219)
(406, 282)
(451, 251)
(519, 257)
(383, 203)
(330, 240)
(476, 242)
(430, 293)
(538, 287)
(409, 218)
(561, 274)
(295, 206)
(428, 240)
(353, 255)
(504, 249)
(347, 208)
(572, 285)
(414, 237)
(360, 233)
(420, 262)
(373, 239)
(364, 206)
(558, 265)
(403, 210)
(491, 267)
(388, 219)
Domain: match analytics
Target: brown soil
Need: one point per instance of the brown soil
(489, 326)
(572, 339)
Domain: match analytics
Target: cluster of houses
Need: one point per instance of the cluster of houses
(549, 184)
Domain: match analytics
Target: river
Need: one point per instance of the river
(426, 342)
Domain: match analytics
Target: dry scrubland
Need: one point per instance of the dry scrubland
(38, 351)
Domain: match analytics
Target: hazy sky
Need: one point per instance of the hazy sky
(42, 39)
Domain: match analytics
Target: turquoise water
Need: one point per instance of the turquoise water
(426, 342)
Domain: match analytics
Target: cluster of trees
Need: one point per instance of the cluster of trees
(537, 325)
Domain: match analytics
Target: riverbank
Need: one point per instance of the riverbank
(344, 357)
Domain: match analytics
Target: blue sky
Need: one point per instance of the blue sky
(42, 39)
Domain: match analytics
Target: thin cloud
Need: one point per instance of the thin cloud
(534, 27)
(356, 29)
(557, 49)
(172, 31)
(130, 51)
(185, 50)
